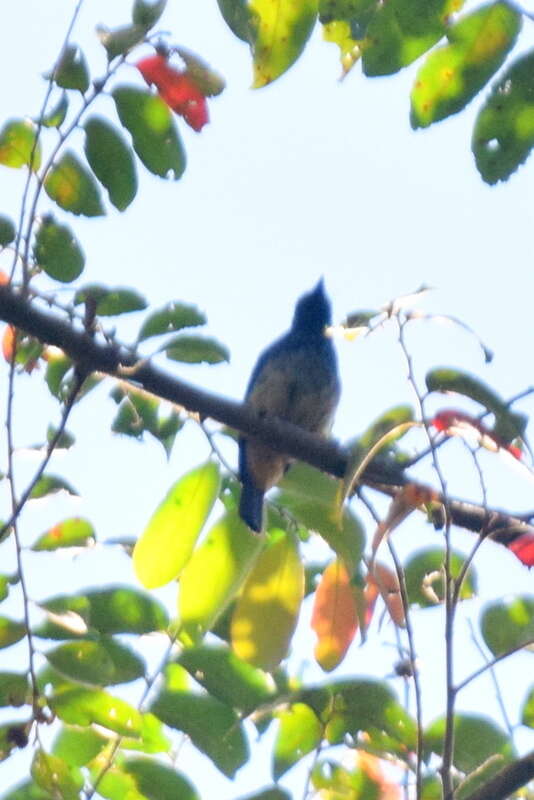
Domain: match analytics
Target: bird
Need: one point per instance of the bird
(295, 379)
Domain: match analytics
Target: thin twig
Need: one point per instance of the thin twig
(490, 664)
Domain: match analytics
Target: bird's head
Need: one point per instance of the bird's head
(313, 311)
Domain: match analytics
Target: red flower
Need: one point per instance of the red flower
(177, 89)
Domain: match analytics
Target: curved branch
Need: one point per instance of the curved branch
(325, 454)
(508, 780)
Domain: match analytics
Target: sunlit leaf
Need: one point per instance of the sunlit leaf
(14, 689)
(79, 706)
(214, 574)
(10, 632)
(70, 184)
(56, 116)
(50, 484)
(71, 71)
(281, 30)
(424, 577)
(166, 544)
(110, 301)
(267, 608)
(212, 726)
(159, 782)
(334, 617)
(299, 732)
(54, 775)
(78, 746)
(57, 252)
(171, 317)
(113, 782)
(112, 161)
(527, 714)
(508, 624)
(155, 137)
(101, 663)
(152, 738)
(18, 143)
(476, 739)
(196, 350)
(75, 532)
(454, 74)
(503, 135)
(7, 231)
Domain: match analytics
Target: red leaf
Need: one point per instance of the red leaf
(523, 548)
(457, 423)
(177, 89)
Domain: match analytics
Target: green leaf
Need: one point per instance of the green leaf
(50, 484)
(400, 31)
(110, 302)
(56, 116)
(54, 775)
(236, 14)
(26, 791)
(299, 732)
(452, 75)
(196, 350)
(172, 317)
(508, 426)
(57, 252)
(155, 137)
(424, 577)
(152, 738)
(166, 544)
(78, 746)
(12, 735)
(79, 706)
(112, 161)
(17, 143)
(70, 184)
(527, 714)
(101, 663)
(7, 231)
(273, 793)
(214, 574)
(227, 677)
(147, 14)
(6, 581)
(71, 71)
(65, 440)
(386, 422)
(157, 782)
(120, 40)
(281, 30)
(115, 784)
(504, 129)
(311, 496)
(58, 364)
(508, 624)
(10, 632)
(475, 740)
(213, 727)
(14, 689)
(74, 532)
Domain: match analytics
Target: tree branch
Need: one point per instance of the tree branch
(508, 780)
(117, 361)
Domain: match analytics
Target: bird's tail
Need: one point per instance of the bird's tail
(251, 506)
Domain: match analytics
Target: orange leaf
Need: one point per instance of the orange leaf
(387, 584)
(9, 341)
(335, 617)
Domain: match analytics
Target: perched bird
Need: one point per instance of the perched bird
(295, 379)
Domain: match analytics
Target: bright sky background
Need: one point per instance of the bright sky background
(304, 178)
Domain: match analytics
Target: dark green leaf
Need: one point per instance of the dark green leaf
(10, 632)
(508, 624)
(54, 775)
(227, 677)
(78, 746)
(58, 253)
(299, 732)
(74, 532)
(14, 689)
(120, 40)
(110, 302)
(79, 706)
(157, 782)
(71, 71)
(424, 577)
(50, 484)
(111, 160)
(155, 137)
(101, 663)
(196, 350)
(65, 440)
(56, 116)
(146, 13)
(70, 184)
(172, 317)
(504, 129)
(18, 143)
(527, 714)
(238, 17)
(452, 75)
(7, 231)
(475, 740)
(212, 726)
